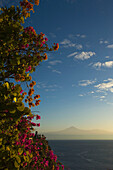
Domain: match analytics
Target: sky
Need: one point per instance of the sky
(76, 82)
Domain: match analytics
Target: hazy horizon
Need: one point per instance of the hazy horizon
(79, 129)
(73, 133)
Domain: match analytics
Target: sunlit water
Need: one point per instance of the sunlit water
(84, 154)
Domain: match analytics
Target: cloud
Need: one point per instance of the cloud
(79, 46)
(72, 36)
(73, 85)
(103, 42)
(49, 67)
(81, 95)
(83, 36)
(86, 82)
(91, 92)
(49, 90)
(108, 64)
(56, 71)
(97, 65)
(80, 35)
(110, 103)
(102, 97)
(110, 46)
(77, 35)
(67, 43)
(55, 62)
(106, 56)
(48, 87)
(84, 55)
(52, 35)
(72, 54)
(106, 86)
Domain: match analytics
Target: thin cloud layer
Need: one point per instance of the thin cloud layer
(72, 54)
(80, 35)
(55, 62)
(67, 43)
(106, 86)
(52, 35)
(84, 55)
(56, 71)
(103, 42)
(77, 35)
(48, 87)
(86, 82)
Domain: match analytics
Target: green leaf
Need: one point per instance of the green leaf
(26, 158)
(20, 151)
(12, 111)
(16, 164)
(18, 159)
(17, 88)
(18, 62)
(21, 107)
(27, 110)
(6, 84)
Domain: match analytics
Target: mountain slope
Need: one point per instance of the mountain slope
(75, 133)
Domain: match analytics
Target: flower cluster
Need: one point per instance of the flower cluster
(56, 47)
(36, 150)
(30, 31)
(29, 98)
(26, 7)
(36, 2)
(45, 56)
(19, 77)
(28, 68)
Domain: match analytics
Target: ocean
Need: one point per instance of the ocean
(84, 154)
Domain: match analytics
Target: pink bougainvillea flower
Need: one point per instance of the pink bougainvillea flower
(23, 46)
(46, 39)
(38, 124)
(38, 117)
(62, 167)
(6, 111)
(27, 45)
(43, 42)
(28, 69)
(55, 158)
(57, 168)
(24, 153)
(21, 91)
(13, 87)
(34, 124)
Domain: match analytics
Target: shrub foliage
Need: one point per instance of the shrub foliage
(21, 50)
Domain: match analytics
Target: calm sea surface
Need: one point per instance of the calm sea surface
(84, 154)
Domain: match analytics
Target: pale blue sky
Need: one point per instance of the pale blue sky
(76, 83)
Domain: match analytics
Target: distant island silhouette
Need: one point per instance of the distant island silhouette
(73, 133)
